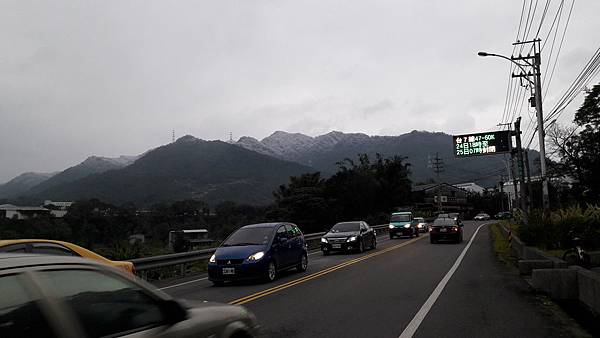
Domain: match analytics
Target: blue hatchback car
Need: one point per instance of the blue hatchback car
(258, 251)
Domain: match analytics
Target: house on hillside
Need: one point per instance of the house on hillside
(471, 187)
(57, 209)
(21, 213)
(425, 197)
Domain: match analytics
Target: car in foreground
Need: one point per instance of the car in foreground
(422, 225)
(482, 217)
(258, 251)
(64, 296)
(402, 224)
(59, 248)
(446, 229)
(349, 236)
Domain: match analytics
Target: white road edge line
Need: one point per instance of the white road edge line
(180, 284)
(414, 324)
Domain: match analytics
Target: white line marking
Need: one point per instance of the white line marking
(414, 324)
(184, 283)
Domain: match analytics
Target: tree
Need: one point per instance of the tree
(580, 152)
(303, 201)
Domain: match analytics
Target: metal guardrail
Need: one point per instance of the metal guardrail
(147, 264)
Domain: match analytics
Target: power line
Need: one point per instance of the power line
(588, 73)
(559, 10)
(509, 88)
(559, 49)
(537, 34)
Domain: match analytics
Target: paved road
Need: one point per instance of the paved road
(405, 285)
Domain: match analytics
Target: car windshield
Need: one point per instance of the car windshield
(401, 218)
(346, 227)
(453, 215)
(444, 222)
(250, 236)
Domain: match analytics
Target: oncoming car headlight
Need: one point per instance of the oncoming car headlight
(257, 256)
(351, 239)
(391, 226)
(212, 259)
(406, 226)
(324, 240)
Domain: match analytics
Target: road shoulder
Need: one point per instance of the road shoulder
(487, 298)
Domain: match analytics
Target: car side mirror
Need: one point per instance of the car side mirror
(174, 311)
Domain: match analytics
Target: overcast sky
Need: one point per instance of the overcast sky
(81, 78)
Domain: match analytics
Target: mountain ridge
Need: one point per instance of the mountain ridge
(189, 168)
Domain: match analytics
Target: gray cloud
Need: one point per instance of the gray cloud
(110, 78)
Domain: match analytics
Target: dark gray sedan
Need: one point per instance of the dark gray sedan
(53, 296)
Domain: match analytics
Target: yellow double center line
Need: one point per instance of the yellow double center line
(304, 279)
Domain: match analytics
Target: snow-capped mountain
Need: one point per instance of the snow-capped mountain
(293, 146)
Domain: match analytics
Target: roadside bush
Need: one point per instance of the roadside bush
(557, 231)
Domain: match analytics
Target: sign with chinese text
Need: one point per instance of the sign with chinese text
(490, 143)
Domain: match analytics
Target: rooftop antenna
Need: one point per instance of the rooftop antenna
(173, 136)
(230, 137)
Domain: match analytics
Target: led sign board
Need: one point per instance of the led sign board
(490, 143)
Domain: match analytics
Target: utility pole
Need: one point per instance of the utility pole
(509, 178)
(535, 62)
(521, 167)
(514, 178)
(438, 167)
(501, 186)
(528, 172)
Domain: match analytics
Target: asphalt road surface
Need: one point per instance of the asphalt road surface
(404, 288)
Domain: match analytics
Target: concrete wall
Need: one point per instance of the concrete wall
(551, 275)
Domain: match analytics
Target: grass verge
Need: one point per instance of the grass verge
(501, 246)
(558, 313)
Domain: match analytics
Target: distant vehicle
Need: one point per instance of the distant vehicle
(446, 229)
(258, 251)
(454, 215)
(60, 248)
(482, 217)
(59, 296)
(403, 224)
(349, 236)
(443, 216)
(422, 225)
(503, 215)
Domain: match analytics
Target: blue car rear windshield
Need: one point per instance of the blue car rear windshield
(346, 227)
(400, 218)
(249, 236)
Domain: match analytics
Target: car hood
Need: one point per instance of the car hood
(208, 314)
(341, 234)
(238, 252)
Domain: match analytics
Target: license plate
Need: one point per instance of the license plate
(229, 271)
(336, 246)
(443, 230)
